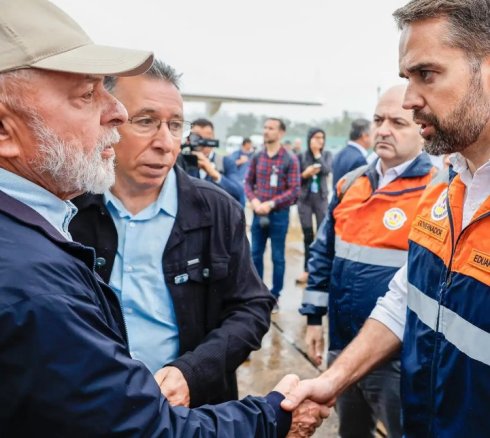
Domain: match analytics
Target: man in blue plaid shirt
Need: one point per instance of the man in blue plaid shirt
(272, 186)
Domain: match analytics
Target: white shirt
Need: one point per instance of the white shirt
(361, 149)
(391, 309)
(477, 185)
(392, 173)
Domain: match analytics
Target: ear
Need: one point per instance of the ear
(485, 73)
(9, 145)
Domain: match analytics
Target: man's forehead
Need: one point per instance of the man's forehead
(421, 42)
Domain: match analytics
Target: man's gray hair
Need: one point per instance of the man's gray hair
(358, 128)
(11, 85)
(158, 70)
(468, 22)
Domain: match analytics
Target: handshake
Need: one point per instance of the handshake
(307, 415)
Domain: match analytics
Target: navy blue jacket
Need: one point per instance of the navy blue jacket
(64, 362)
(347, 159)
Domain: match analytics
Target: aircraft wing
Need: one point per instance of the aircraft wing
(213, 102)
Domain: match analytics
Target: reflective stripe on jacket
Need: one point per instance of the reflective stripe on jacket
(368, 231)
(446, 346)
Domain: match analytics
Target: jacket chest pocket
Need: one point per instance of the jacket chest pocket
(197, 271)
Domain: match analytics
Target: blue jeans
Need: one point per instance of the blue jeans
(276, 231)
(375, 397)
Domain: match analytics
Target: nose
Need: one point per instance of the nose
(412, 99)
(383, 130)
(114, 113)
(163, 139)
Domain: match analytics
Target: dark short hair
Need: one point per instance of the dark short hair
(358, 128)
(246, 140)
(203, 123)
(158, 70)
(282, 125)
(468, 22)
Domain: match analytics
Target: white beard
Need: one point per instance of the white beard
(72, 169)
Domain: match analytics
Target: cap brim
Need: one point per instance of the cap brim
(98, 60)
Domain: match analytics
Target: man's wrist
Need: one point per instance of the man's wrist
(216, 176)
(272, 204)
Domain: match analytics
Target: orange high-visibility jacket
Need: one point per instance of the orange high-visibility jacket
(360, 246)
(446, 346)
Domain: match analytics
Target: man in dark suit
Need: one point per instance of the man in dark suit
(355, 153)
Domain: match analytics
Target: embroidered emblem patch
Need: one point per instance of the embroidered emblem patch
(430, 228)
(480, 260)
(394, 218)
(439, 210)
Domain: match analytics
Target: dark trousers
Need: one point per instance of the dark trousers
(313, 205)
(375, 397)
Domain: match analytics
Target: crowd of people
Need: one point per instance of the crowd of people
(129, 292)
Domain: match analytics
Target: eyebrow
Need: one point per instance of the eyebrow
(418, 67)
(153, 111)
(393, 119)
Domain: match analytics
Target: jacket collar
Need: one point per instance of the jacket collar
(421, 166)
(26, 215)
(191, 201)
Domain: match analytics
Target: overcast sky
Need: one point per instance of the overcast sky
(338, 52)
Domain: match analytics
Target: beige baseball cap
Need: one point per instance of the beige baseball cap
(37, 34)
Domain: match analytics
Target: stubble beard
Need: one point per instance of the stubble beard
(72, 169)
(463, 126)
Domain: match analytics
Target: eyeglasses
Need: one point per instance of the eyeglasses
(149, 125)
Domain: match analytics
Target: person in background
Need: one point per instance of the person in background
(241, 158)
(272, 186)
(355, 153)
(297, 146)
(315, 166)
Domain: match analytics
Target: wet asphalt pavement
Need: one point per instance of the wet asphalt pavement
(283, 348)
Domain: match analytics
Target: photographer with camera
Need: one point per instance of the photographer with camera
(213, 167)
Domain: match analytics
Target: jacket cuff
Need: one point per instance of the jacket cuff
(283, 418)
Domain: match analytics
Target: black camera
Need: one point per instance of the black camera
(186, 159)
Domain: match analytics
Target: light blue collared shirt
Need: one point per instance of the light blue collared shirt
(57, 212)
(137, 276)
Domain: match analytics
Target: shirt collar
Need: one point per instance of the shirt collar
(460, 166)
(361, 149)
(57, 212)
(395, 171)
(167, 201)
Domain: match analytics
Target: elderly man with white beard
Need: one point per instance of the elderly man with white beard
(65, 365)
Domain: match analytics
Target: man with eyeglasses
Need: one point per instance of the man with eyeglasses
(174, 250)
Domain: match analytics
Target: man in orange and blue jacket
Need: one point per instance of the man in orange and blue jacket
(437, 306)
(361, 245)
